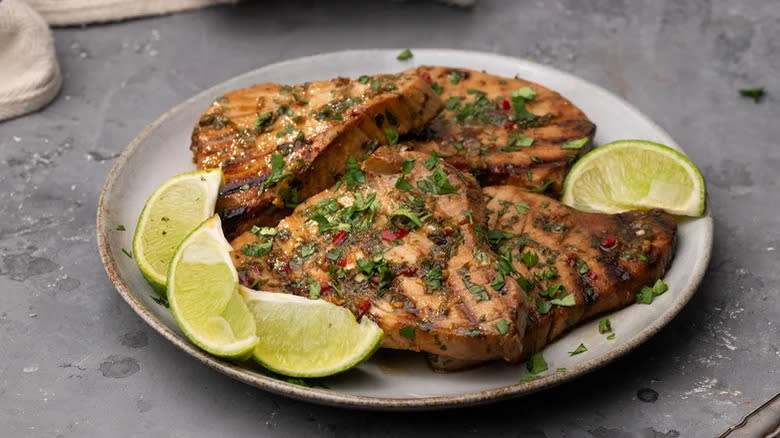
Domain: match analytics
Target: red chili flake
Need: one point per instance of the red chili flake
(447, 231)
(592, 275)
(408, 272)
(388, 235)
(505, 105)
(285, 269)
(570, 258)
(364, 306)
(426, 77)
(339, 238)
(509, 125)
(325, 287)
(375, 279)
(609, 242)
(342, 262)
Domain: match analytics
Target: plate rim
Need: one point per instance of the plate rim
(338, 399)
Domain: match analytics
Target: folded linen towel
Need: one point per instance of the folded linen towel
(29, 74)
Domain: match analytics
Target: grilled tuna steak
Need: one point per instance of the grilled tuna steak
(574, 265)
(281, 144)
(505, 131)
(397, 242)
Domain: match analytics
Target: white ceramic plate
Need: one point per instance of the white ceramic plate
(395, 379)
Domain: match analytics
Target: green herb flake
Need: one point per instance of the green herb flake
(364, 79)
(405, 55)
(543, 307)
(161, 300)
(645, 295)
(314, 289)
(431, 161)
(521, 207)
(263, 231)
(659, 287)
(277, 172)
(536, 364)
(120, 228)
(392, 136)
(502, 326)
(284, 131)
(575, 144)
(611, 336)
(578, 350)
(307, 250)
(437, 183)
(262, 120)
(353, 176)
(529, 259)
(518, 98)
(433, 278)
(409, 214)
(403, 185)
(478, 292)
(753, 93)
(127, 253)
(560, 370)
(256, 249)
(567, 301)
(605, 326)
(407, 331)
(452, 103)
(436, 87)
(469, 215)
(455, 77)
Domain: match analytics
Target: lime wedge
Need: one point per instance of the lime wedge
(635, 174)
(171, 213)
(299, 337)
(203, 294)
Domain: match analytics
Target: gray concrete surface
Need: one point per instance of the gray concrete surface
(75, 361)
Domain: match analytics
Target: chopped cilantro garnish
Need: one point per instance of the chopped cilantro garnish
(257, 249)
(521, 207)
(518, 98)
(478, 292)
(364, 79)
(605, 326)
(127, 253)
(646, 294)
(543, 306)
(536, 364)
(575, 144)
(407, 167)
(452, 103)
(314, 289)
(529, 259)
(403, 56)
(120, 228)
(403, 185)
(284, 131)
(468, 214)
(437, 183)
(567, 301)
(334, 254)
(498, 283)
(582, 267)
(431, 161)
(495, 237)
(754, 93)
(502, 326)
(392, 136)
(353, 175)
(542, 187)
(436, 87)
(263, 231)
(454, 77)
(277, 175)
(407, 331)
(515, 142)
(161, 300)
(611, 336)
(433, 278)
(409, 214)
(307, 250)
(578, 350)
(262, 120)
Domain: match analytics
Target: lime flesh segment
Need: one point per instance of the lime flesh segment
(299, 337)
(203, 294)
(170, 214)
(635, 174)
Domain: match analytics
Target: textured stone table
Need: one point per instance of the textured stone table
(76, 361)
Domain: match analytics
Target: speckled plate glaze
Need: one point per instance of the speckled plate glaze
(391, 379)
